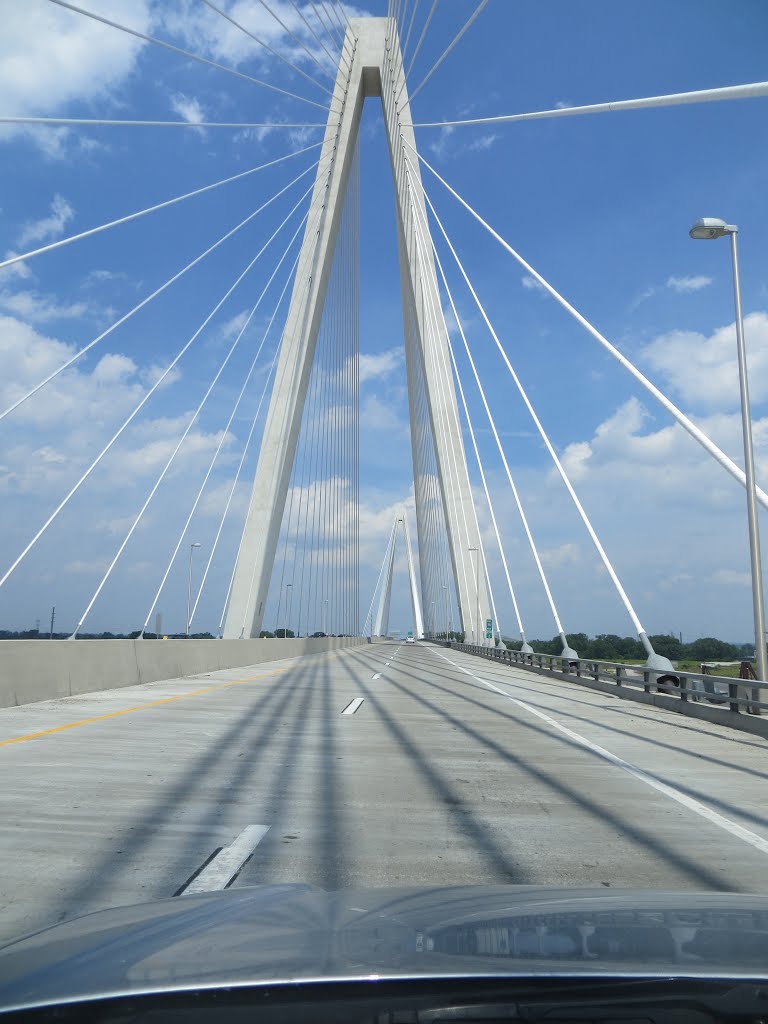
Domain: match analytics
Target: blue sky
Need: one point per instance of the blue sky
(600, 205)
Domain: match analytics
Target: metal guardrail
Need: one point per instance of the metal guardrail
(738, 696)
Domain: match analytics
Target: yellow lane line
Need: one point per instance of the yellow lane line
(137, 707)
(155, 703)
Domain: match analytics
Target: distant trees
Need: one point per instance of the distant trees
(283, 633)
(610, 647)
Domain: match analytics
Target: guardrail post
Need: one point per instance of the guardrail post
(618, 675)
(647, 681)
(733, 697)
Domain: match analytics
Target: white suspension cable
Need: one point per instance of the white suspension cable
(448, 445)
(418, 47)
(515, 493)
(191, 422)
(340, 5)
(410, 28)
(291, 65)
(306, 286)
(328, 26)
(444, 54)
(471, 431)
(298, 10)
(729, 92)
(736, 472)
(234, 486)
(184, 53)
(62, 504)
(333, 13)
(225, 432)
(100, 122)
(378, 581)
(457, 377)
(245, 451)
(295, 38)
(548, 444)
(51, 246)
(444, 374)
(153, 295)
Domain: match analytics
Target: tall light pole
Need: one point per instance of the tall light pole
(325, 615)
(712, 227)
(189, 583)
(445, 588)
(432, 619)
(475, 631)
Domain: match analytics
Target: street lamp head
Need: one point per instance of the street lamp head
(711, 227)
(195, 545)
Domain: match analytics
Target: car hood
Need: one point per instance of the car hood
(289, 933)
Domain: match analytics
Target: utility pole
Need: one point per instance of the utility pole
(53, 616)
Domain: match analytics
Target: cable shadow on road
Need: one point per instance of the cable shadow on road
(290, 720)
(314, 714)
(693, 754)
(266, 710)
(666, 854)
(477, 832)
(624, 705)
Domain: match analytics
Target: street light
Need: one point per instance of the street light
(445, 588)
(476, 629)
(288, 586)
(189, 583)
(432, 619)
(712, 227)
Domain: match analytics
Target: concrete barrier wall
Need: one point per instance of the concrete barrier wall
(32, 670)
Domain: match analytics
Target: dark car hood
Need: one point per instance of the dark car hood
(301, 933)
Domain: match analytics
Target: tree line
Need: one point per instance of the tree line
(610, 647)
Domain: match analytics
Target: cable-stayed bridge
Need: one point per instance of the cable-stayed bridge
(287, 558)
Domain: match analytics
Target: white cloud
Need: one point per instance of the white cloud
(50, 58)
(86, 567)
(16, 270)
(703, 370)
(378, 415)
(440, 146)
(47, 228)
(732, 576)
(688, 284)
(642, 296)
(97, 277)
(575, 459)
(188, 109)
(447, 144)
(531, 284)
(376, 366)
(40, 309)
(563, 554)
(483, 142)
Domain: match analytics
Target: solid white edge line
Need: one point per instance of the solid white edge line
(377, 676)
(692, 805)
(227, 862)
(352, 707)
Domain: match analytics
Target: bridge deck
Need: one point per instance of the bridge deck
(437, 778)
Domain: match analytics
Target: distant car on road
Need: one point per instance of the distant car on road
(318, 634)
(409, 639)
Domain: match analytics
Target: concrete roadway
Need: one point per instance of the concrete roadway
(452, 771)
